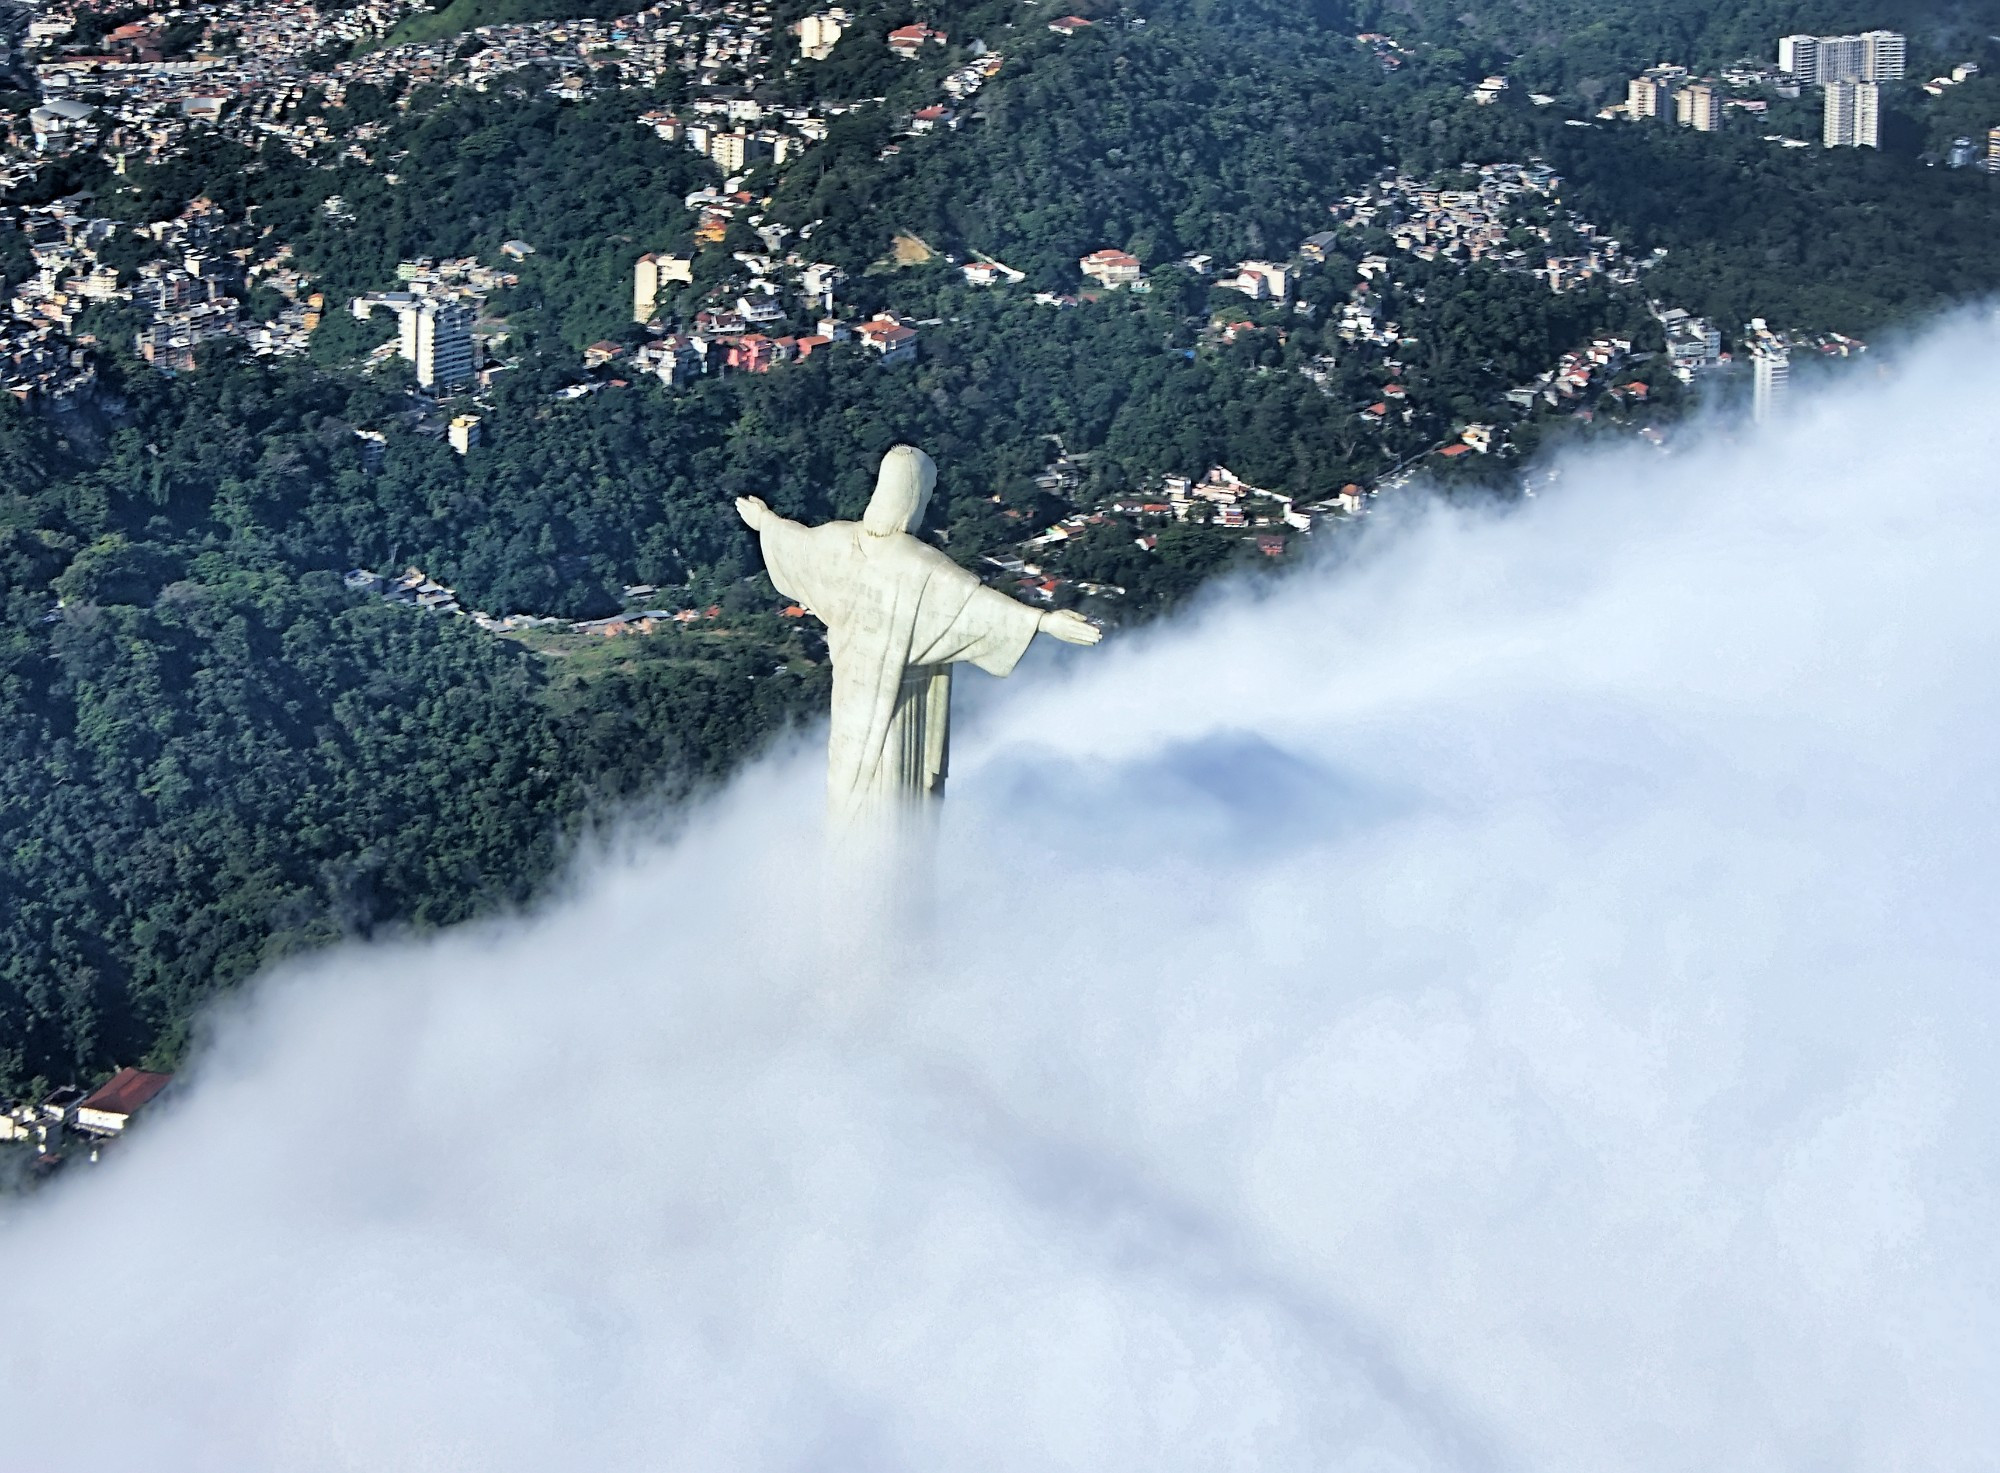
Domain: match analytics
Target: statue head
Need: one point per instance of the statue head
(902, 491)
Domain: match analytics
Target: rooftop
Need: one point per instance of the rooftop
(126, 1091)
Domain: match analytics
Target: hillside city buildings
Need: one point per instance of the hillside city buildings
(1491, 223)
(770, 303)
(71, 1121)
(436, 313)
(1671, 94)
(1850, 70)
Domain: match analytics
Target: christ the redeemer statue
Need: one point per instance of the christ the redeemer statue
(897, 612)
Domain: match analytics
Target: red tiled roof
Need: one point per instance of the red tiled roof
(125, 1091)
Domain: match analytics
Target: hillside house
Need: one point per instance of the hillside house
(890, 338)
(908, 41)
(1111, 268)
(112, 1106)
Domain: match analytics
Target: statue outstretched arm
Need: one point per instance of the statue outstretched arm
(1069, 626)
(797, 558)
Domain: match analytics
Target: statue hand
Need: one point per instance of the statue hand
(1070, 627)
(753, 511)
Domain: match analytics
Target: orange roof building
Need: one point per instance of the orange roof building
(110, 1107)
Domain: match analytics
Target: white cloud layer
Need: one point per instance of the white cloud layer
(1522, 999)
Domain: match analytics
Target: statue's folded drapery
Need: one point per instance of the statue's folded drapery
(898, 612)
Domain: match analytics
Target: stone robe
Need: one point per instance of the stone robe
(897, 612)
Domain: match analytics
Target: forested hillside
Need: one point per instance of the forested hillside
(216, 753)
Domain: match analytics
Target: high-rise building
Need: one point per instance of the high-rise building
(1867, 115)
(437, 337)
(645, 287)
(730, 151)
(1993, 148)
(819, 34)
(651, 275)
(1842, 59)
(1772, 375)
(1872, 56)
(1853, 116)
(1698, 107)
(1646, 97)
(1799, 55)
(1885, 55)
(464, 433)
(737, 151)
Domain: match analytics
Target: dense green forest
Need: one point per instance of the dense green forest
(217, 754)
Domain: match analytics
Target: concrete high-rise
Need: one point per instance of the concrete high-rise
(1799, 55)
(1872, 56)
(651, 275)
(437, 337)
(730, 151)
(1842, 59)
(1646, 97)
(1853, 117)
(1698, 107)
(819, 34)
(645, 287)
(1772, 370)
(1885, 55)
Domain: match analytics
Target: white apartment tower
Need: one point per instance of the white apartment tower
(1842, 59)
(1799, 55)
(1872, 56)
(1853, 115)
(1772, 367)
(1885, 56)
(437, 337)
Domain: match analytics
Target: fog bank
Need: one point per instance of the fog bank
(1519, 998)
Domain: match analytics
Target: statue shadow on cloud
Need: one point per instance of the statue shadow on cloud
(1235, 790)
